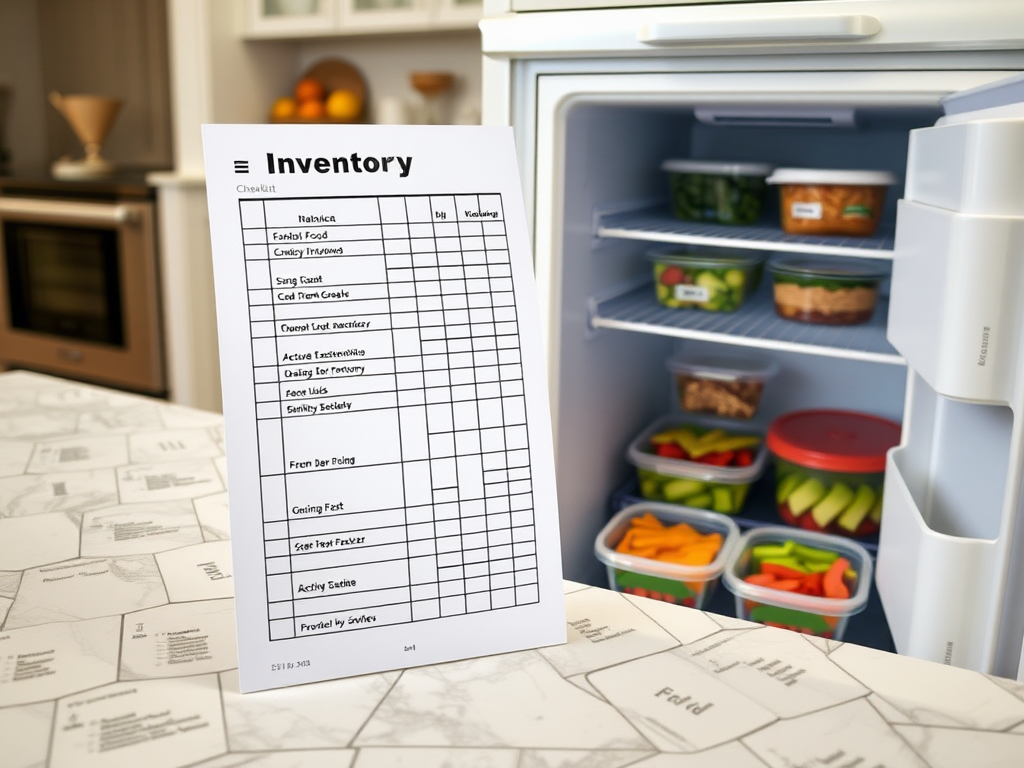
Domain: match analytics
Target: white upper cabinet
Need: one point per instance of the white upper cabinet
(331, 18)
(287, 18)
(458, 13)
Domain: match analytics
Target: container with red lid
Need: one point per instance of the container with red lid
(830, 467)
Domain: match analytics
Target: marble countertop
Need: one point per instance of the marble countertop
(117, 645)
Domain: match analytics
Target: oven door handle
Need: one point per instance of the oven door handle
(68, 212)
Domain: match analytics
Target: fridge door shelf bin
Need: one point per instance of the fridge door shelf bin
(633, 307)
(657, 224)
(936, 587)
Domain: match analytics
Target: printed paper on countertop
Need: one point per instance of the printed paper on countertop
(391, 473)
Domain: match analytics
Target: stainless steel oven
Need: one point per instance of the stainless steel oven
(79, 292)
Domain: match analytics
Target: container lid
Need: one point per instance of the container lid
(670, 514)
(712, 166)
(709, 258)
(739, 561)
(828, 176)
(724, 367)
(828, 269)
(640, 454)
(833, 440)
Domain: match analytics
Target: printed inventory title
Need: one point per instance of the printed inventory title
(354, 163)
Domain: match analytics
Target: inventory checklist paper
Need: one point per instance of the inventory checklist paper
(389, 458)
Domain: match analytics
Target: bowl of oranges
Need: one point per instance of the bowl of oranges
(331, 91)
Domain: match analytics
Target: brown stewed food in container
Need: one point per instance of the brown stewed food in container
(832, 291)
(721, 384)
(827, 202)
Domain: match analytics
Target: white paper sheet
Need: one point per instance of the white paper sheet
(391, 476)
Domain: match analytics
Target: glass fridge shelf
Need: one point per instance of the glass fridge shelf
(755, 324)
(657, 224)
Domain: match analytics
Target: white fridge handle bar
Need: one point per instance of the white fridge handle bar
(85, 213)
(796, 28)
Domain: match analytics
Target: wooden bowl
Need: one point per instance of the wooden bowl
(431, 83)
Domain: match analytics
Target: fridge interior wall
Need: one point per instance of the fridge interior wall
(610, 383)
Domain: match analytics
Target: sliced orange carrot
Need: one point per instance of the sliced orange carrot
(832, 582)
(651, 552)
(626, 542)
(761, 579)
(689, 557)
(677, 543)
(669, 538)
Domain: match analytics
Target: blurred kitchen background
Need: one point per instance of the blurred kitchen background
(176, 64)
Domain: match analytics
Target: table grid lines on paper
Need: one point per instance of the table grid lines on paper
(390, 410)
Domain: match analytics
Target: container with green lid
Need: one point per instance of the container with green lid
(826, 291)
(720, 192)
(713, 279)
(830, 468)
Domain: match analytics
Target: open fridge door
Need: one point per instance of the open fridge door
(951, 552)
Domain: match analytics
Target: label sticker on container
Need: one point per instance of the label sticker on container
(857, 212)
(805, 210)
(691, 293)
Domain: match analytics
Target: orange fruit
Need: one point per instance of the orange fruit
(283, 108)
(311, 110)
(308, 89)
(343, 105)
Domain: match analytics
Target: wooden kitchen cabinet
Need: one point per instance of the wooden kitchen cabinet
(283, 19)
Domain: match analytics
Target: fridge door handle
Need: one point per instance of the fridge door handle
(744, 30)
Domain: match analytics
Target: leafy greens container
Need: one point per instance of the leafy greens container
(723, 193)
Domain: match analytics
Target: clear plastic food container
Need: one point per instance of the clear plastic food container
(833, 291)
(805, 569)
(713, 279)
(817, 201)
(667, 471)
(683, 564)
(724, 193)
(721, 384)
(830, 469)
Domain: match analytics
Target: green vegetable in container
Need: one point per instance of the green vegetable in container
(723, 193)
(705, 281)
(721, 199)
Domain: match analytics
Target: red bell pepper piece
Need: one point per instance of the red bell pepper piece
(806, 521)
(760, 579)
(718, 458)
(812, 584)
(744, 458)
(782, 571)
(671, 451)
(787, 585)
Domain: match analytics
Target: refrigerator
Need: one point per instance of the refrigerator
(928, 90)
